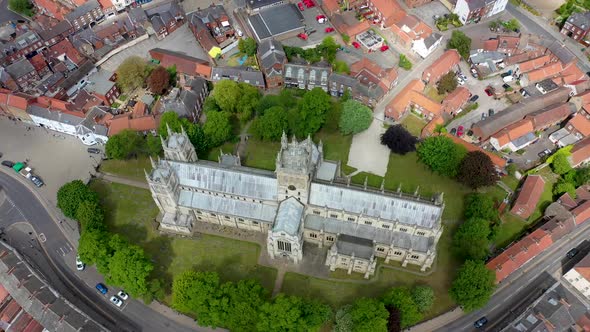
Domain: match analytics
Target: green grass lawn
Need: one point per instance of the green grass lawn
(511, 182)
(510, 230)
(228, 147)
(432, 93)
(413, 124)
(131, 169)
(261, 154)
(131, 212)
(336, 146)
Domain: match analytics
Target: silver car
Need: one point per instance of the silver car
(116, 301)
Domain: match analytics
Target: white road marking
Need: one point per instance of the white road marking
(42, 237)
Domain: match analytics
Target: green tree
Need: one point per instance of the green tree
(401, 298)
(247, 46)
(193, 131)
(131, 73)
(271, 125)
(355, 117)
(447, 83)
(562, 187)
(172, 72)
(249, 99)
(480, 206)
(341, 67)
(343, 320)
(23, 7)
(291, 313)
(368, 315)
(159, 80)
(441, 154)
(477, 170)
(218, 128)
(582, 176)
(560, 164)
(195, 293)
(90, 215)
(328, 49)
(239, 305)
(311, 113)
(345, 38)
(71, 195)
(124, 145)
(210, 105)
(227, 94)
(130, 268)
(399, 140)
(423, 297)
(473, 286)
(153, 145)
(471, 241)
(461, 43)
(404, 62)
(512, 24)
(93, 248)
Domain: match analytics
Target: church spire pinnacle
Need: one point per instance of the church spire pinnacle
(168, 130)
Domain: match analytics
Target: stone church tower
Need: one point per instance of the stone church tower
(164, 186)
(178, 147)
(295, 166)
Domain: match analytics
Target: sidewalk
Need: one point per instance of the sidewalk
(438, 322)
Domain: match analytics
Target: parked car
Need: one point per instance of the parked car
(572, 253)
(508, 73)
(302, 36)
(474, 73)
(93, 150)
(300, 5)
(505, 86)
(356, 45)
(384, 48)
(474, 98)
(462, 76)
(542, 154)
(508, 78)
(102, 288)
(37, 181)
(321, 19)
(116, 301)
(453, 131)
(491, 112)
(480, 322)
(80, 265)
(124, 296)
(488, 92)
(483, 116)
(460, 81)
(328, 30)
(7, 163)
(460, 131)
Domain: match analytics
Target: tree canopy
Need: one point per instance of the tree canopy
(71, 195)
(290, 313)
(195, 293)
(93, 248)
(399, 140)
(480, 206)
(461, 43)
(477, 170)
(402, 299)
(239, 305)
(355, 117)
(218, 128)
(247, 46)
(441, 154)
(23, 7)
(368, 315)
(236, 98)
(311, 112)
(404, 62)
(129, 268)
(563, 186)
(447, 83)
(423, 297)
(271, 125)
(473, 286)
(159, 80)
(471, 241)
(131, 73)
(125, 144)
(512, 24)
(90, 215)
(193, 131)
(560, 164)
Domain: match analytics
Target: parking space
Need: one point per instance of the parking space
(56, 158)
(531, 156)
(316, 31)
(387, 59)
(181, 40)
(427, 12)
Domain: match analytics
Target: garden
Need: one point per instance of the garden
(443, 22)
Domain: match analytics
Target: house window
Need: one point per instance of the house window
(368, 222)
(398, 253)
(316, 212)
(381, 249)
(329, 238)
(255, 223)
(226, 217)
(414, 256)
(313, 235)
(421, 233)
(240, 219)
(403, 229)
(199, 212)
(213, 215)
(351, 219)
(332, 215)
(386, 226)
(284, 246)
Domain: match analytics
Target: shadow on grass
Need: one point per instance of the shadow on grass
(160, 250)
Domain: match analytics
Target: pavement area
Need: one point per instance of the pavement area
(7, 15)
(546, 7)
(181, 40)
(310, 22)
(426, 12)
(387, 59)
(366, 152)
(531, 156)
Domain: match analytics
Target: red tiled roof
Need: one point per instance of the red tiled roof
(513, 131)
(519, 253)
(582, 212)
(411, 95)
(567, 201)
(455, 100)
(390, 10)
(53, 8)
(583, 267)
(21, 323)
(33, 326)
(105, 4)
(428, 130)
(441, 66)
(3, 294)
(10, 311)
(534, 63)
(498, 161)
(140, 109)
(383, 77)
(548, 117)
(65, 47)
(38, 62)
(529, 196)
(331, 6)
(490, 44)
(581, 124)
(184, 64)
(53, 103)
(18, 102)
(548, 71)
(580, 152)
(558, 229)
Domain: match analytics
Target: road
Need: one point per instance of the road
(19, 206)
(521, 287)
(8, 15)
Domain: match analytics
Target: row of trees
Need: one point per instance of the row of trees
(326, 50)
(122, 264)
(129, 143)
(134, 72)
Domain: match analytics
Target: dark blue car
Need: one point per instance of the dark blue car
(102, 288)
(480, 322)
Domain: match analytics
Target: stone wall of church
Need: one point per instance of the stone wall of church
(232, 221)
(350, 263)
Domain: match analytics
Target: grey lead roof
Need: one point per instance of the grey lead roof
(271, 52)
(99, 82)
(289, 216)
(85, 8)
(20, 68)
(227, 206)
(411, 212)
(352, 245)
(54, 115)
(379, 235)
(226, 181)
(433, 38)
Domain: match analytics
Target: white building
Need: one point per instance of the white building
(122, 4)
(304, 200)
(472, 11)
(579, 277)
(425, 46)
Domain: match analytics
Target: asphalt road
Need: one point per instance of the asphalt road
(19, 206)
(525, 285)
(8, 15)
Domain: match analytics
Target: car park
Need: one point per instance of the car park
(572, 253)
(102, 288)
(122, 295)
(474, 98)
(488, 92)
(116, 301)
(37, 181)
(8, 163)
(79, 264)
(480, 322)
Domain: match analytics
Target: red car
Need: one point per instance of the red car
(384, 48)
(356, 45)
(321, 18)
(460, 131)
(328, 30)
(302, 36)
(309, 3)
(488, 92)
(300, 5)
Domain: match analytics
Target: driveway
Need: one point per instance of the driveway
(427, 12)
(366, 152)
(181, 40)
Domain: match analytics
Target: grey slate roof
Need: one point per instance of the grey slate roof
(432, 39)
(238, 74)
(85, 8)
(524, 139)
(276, 20)
(26, 39)
(289, 216)
(352, 245)
(138, 16)
(99, 83)
(379, 235)
(226, 181)
(254, 4)
(559, 50)
(55, 31)
(20, 68)
(77, 75)
(377, 205)
(89, 125)
(227, 206)
(580, 20)
(54, 115)
(210, 14)
(270, 53)
(259, 27)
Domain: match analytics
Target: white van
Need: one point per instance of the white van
(508, 79)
